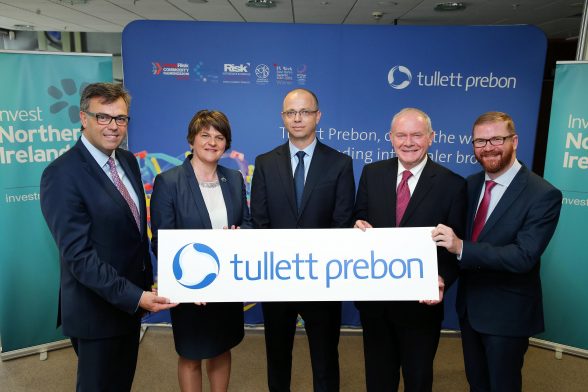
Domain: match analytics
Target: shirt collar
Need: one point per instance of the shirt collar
(506, 178)
(309, 150)
(416, 171)
(98, 155)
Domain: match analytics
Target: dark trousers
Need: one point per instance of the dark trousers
(106, 364)
(492, 363)
(322, 322)
(389, 347)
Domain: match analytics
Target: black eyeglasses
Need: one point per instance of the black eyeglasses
(494, 141)
(303, 113)
(105, 119)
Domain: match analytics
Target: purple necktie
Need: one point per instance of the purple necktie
(123, 191)
(482, 213)
(402, 196)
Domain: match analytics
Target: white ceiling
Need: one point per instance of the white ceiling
(557, 18)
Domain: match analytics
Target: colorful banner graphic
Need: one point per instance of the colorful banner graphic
(39, 120)
(362, 75)
(564, 265)
(298, 265)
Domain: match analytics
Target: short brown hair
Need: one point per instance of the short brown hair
(209, 118)
(494, 117)
(107, 92)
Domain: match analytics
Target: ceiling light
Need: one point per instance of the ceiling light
(73, 2)
(450, 6)
(261, 3)
(24, 27)
(198, 1)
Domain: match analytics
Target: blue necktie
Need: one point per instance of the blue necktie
(299, 178)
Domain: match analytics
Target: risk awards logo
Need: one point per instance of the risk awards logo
(176, 70)
(399, 77)
(195, 266)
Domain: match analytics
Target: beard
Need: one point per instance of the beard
(495, 161)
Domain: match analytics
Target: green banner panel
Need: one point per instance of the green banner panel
(565, 263)
(39, 120)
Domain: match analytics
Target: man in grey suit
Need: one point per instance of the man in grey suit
(302, 184)
(512, 215)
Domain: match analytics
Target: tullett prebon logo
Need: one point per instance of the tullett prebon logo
(399, 77)
(187, 258)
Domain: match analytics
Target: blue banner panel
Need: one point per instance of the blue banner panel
(565, 265)
(362, 75)
(39, 120)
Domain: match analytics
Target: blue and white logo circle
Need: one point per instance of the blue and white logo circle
(184, 266)
(399, 77)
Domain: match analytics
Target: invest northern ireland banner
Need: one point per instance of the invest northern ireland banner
(39, 120)
(362, 75)
(564, 268)
(297, 265)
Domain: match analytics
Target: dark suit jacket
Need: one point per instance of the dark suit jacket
(500, 286)
(439, 197)
(327, 200)
(105, 262)
(177, 203)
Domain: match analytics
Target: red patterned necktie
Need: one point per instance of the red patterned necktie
(482, 213)
(123, 191)
(402, 196)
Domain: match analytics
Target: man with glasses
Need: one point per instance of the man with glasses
(409, 190)
(512, 214)
(302, 184)
(93, 202)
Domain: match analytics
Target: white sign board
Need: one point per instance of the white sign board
(297, 265)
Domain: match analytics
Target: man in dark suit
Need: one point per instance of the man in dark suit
(92, 199)
(302, 184)
(512, 214)
(407, 191)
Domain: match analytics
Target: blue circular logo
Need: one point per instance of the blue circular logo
(399, 77)
(187, 257)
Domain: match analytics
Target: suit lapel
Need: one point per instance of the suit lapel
(318, 164)
(511, 194)
(90, 165)
(137, 186)
(196, 194)
(226, 189)
(285, 173)
(424, 185)
(388, 200)
(473, 198)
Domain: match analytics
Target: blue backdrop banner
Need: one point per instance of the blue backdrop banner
(362, 75)
(39, 120)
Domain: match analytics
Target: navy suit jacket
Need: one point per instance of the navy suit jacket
(105, 262)
(177, 203)
(439, 197)
(327, 200)
(500, 286)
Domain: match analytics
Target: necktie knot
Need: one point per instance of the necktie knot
(489, 185)
(300, 154)
(406, 175)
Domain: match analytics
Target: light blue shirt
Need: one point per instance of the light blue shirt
(102, 160)
(309, 150)
(502, 183)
